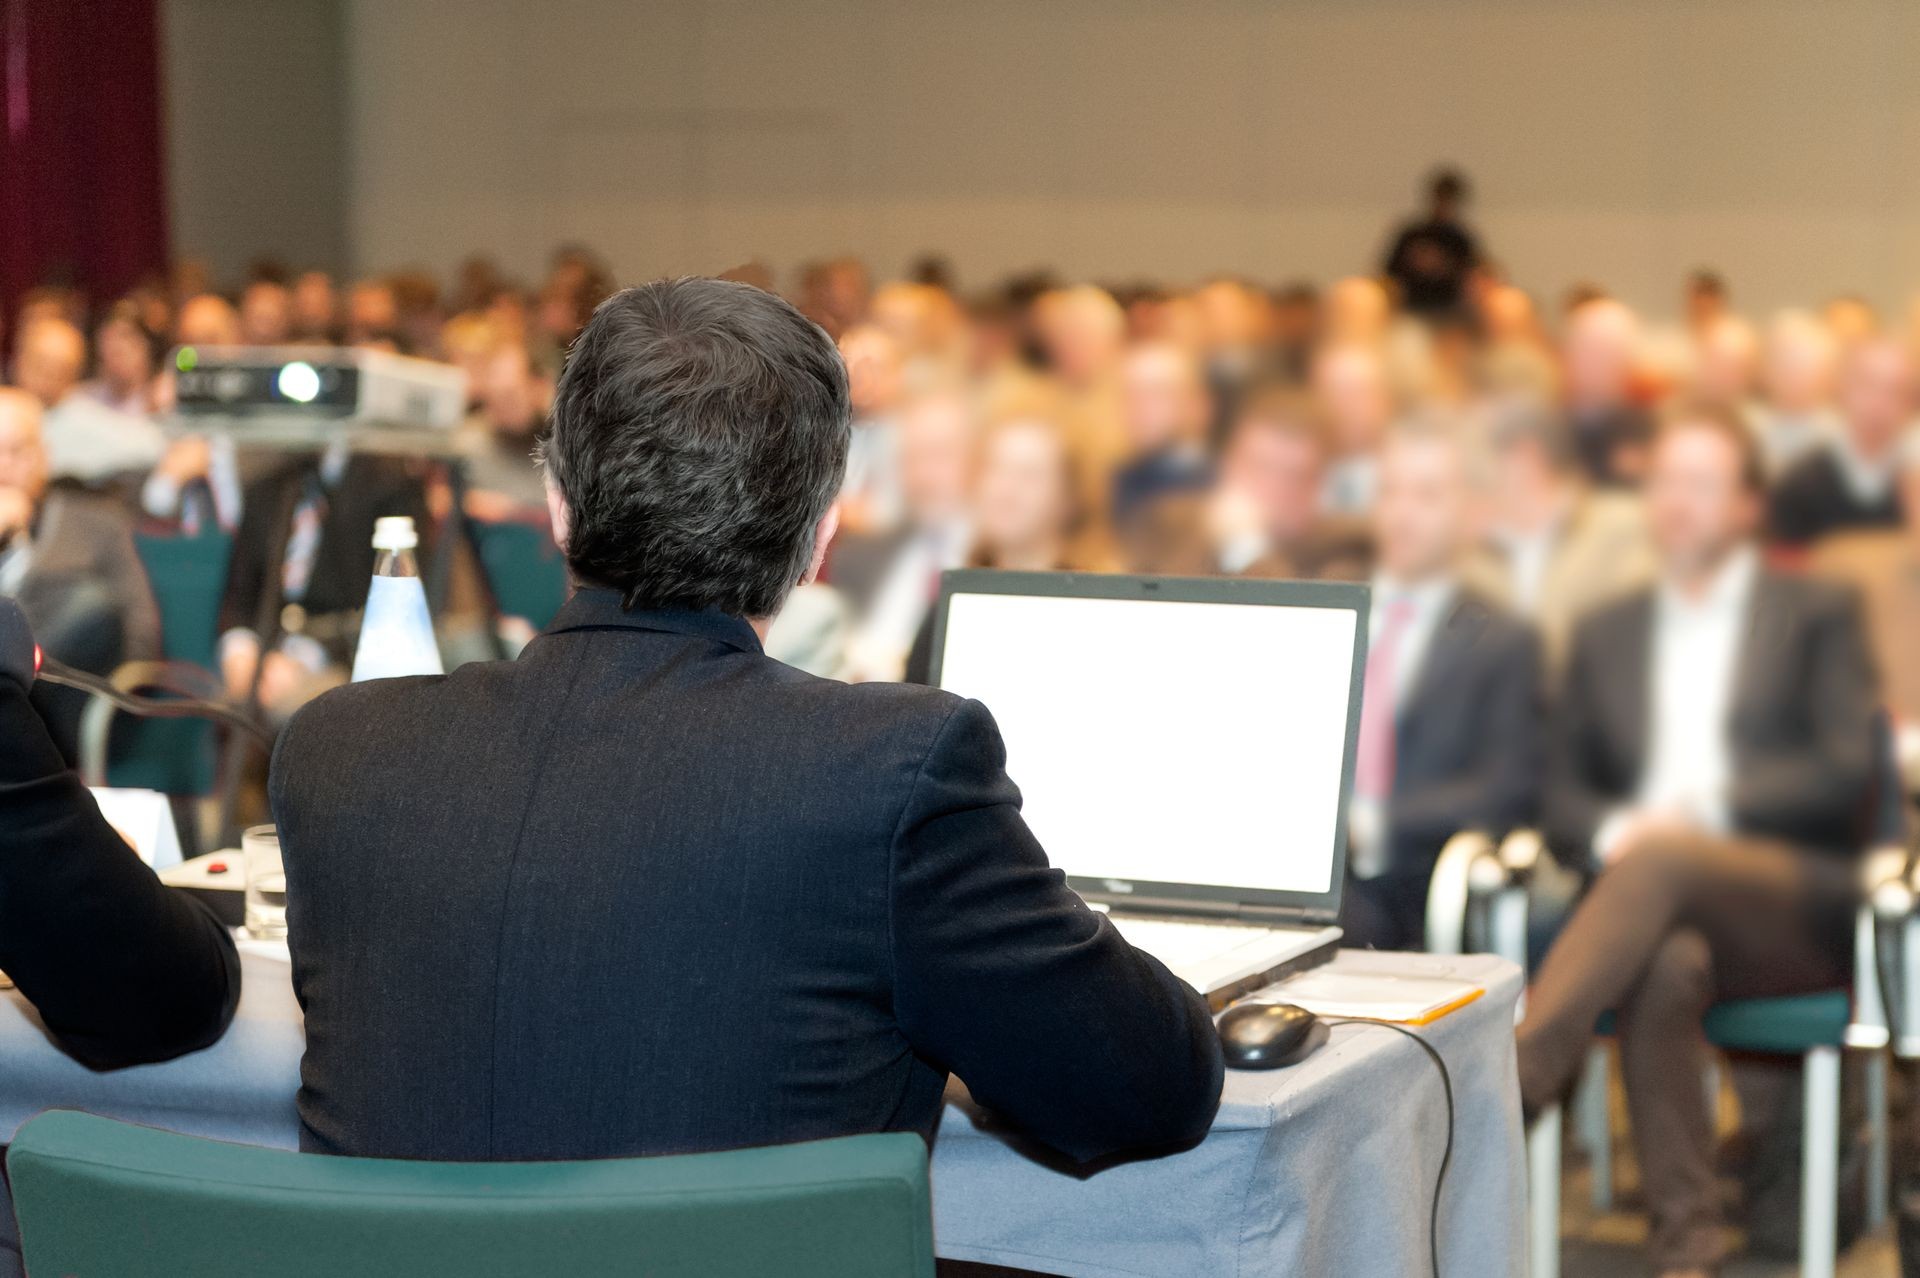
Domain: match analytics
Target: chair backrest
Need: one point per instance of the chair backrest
(189, 576)
(96, 1197)
(525, 571)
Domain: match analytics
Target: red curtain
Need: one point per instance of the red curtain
(82, 176)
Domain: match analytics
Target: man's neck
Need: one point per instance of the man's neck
(1693, 582)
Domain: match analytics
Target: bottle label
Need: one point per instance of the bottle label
(396, 635)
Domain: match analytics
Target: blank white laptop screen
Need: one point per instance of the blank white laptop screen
(1166, 742)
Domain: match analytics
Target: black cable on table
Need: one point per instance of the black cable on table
(1446, 1157)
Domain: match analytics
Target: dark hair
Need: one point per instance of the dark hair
(1725, 422)
(1447, 184)
(699, 433)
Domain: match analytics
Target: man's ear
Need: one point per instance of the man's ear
(822, 537)
(558, 513)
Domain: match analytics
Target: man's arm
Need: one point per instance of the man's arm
(1004, 976)
(122, 969)
(1573, 807)
(1807, 793)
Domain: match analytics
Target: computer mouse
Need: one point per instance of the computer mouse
(1265, 1035)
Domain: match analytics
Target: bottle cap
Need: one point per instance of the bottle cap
(394, 532)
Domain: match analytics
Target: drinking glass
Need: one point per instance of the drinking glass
(266, 883)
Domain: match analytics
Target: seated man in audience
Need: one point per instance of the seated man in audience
(1555, 546)
(122, 970)
(1350, 385)
(68, 558)
(1609, 425)
(86, 440)
(317, 517)
(1262, 518)
(1884, 567)
(871, 501)
(1847, 483)
(503, 477)
(1166, 410)
(1796, 414)
(1711, 767)
(1450, 721)
(890, 579)
(645, 890)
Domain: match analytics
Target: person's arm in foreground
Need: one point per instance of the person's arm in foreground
(122, 969)
(1004, 976)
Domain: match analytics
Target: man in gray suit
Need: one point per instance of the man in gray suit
(69, 560)
(1712, 769)
(646, 889)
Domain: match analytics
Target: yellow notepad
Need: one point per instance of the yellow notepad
(1376, 996)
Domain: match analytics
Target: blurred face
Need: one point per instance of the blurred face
(936, 459)
(1081, 330)
(207, 320)
(266, 314)
(1357, 311)
(1851, 321)
(1876, 396)
(371, 308)
(1164, 400)
(314, 303)
(1601, 340)
(125, 361)
(1698, 507)
(1352, 385)
(1023, 499)
(1508, 315)
(1798, 372)
(873, 369)
(512, 398)
(23, 459)
(1232, 316)
(1726, 361)
(1422, 511)
(1279, 471)
(52, 353)
(1522, 481)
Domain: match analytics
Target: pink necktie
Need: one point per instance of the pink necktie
(1373, 768)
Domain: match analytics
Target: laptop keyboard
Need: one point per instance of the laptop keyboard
(1178, 944)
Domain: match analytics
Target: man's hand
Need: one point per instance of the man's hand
(16, 514)
(186, 460)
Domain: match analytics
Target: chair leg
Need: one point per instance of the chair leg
(1820, 1164)
(1596, 1130)
(1543, 1195)
(1878, 1196)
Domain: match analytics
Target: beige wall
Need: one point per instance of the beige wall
(256, 130)
(1624, 140)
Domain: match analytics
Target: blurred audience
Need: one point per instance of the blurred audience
(1432, 256)
(1609, 423)
(86, 439)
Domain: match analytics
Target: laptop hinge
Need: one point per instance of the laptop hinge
(1186, 907)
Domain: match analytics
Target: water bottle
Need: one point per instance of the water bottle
(396, 634)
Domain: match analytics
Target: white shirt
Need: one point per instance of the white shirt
(1351, 485)
(1868, 482)
(1696, 654)
(1528, 557)
(90, 442)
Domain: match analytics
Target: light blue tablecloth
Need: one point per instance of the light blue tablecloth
(1324, 1168)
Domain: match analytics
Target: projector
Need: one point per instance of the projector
(313, 387)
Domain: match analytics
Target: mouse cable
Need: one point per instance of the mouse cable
(1446, 1157)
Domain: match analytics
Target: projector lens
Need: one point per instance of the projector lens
(298, 382)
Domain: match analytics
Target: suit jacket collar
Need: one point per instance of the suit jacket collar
(593, 608)
(1454, 634)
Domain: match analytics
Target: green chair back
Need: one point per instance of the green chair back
(97, 1198)
(189, 578)
(524, 570)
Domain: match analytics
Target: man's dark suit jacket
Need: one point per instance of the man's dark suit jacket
(369, 488)
(1802, 732)
(121, 969)
(1467, 738)
(646, 890)
(1813, 500)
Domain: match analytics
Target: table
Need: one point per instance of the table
(1326, 1167)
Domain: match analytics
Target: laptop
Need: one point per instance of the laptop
(1185, 749)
